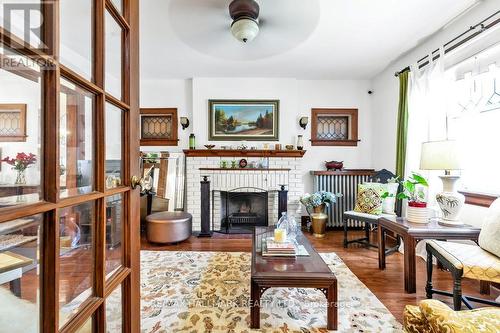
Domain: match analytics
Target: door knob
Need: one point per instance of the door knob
(145, 183)
(135, 181)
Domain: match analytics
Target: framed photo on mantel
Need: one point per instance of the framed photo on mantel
(239, 120)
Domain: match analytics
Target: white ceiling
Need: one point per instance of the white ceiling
(306, 39)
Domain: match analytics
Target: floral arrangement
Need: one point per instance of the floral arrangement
(21, 162)
(319, 198)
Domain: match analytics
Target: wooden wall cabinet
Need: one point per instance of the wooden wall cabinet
(159, 127)
(334, 127)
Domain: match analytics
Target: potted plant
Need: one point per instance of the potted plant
(20, 164)
(316, 204)
(413, 191)
(389, 203)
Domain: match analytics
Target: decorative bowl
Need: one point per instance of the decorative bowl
(209, 146)
(289, 147)
(334, 165)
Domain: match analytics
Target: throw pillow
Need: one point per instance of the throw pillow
(489, 238)
(388, 203)
(369, 199)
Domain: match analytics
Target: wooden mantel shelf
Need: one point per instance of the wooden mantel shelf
(243, 153)
(245, 169)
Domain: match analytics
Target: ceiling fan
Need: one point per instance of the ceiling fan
(245, 15)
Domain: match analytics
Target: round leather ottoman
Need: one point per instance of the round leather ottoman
(168, 227)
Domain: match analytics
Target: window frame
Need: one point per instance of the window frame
(166, 112)
(352, 115)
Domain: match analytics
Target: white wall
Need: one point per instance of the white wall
(341, 94)
(166, 94)
(297, 97)
(386, 85)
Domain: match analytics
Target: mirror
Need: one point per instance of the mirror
(168, 177)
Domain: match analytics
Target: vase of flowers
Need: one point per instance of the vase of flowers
(20, 163)
(316, 205)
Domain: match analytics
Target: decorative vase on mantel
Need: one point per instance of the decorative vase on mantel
(21, 177)
(300, 142)
(318, 219)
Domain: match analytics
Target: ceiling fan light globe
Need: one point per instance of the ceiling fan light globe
(245, 29)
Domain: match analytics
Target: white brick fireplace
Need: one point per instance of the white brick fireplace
(282, 170)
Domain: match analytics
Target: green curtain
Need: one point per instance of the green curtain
(402, 133)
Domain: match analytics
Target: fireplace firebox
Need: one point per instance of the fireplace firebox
(240, 211)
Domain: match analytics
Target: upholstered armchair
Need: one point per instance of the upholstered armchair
(480, 262)
(432, 316)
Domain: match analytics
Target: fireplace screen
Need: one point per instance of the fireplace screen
(242, 211)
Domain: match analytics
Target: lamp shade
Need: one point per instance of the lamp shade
(440, 155)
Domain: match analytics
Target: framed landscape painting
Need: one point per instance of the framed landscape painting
(238, 120)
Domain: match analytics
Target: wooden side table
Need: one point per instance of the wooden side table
(412, 233)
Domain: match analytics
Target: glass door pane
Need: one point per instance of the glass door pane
(114, 315)
(76, 140)
(113, 39)
(118, 5)
(19, 275)
(87, 327)
(20, 129)
(76, 20)
(76, 226)
(114, 149)
(22, 18)
(114, 225)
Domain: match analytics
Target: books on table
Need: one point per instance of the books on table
(271, 248)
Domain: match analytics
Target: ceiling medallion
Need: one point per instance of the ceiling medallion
(245, 15)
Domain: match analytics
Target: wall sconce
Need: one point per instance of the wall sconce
(184, 122)
(303, 122)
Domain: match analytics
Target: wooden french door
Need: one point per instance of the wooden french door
(69, 219)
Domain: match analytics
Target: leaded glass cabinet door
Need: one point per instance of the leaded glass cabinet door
(69, 220)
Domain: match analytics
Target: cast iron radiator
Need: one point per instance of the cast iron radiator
(346, 183)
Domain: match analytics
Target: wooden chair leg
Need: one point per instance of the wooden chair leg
(428, 286)
(367, 234)
(457, 292)
(484, 287)
(344, 221)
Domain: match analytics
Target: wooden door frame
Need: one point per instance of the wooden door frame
(132, 14)
(128, 275)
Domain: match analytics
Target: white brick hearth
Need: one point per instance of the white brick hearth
(269, 180)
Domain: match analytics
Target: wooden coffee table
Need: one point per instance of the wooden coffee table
(412, 233)
(300, 272)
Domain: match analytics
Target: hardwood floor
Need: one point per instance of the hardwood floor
(75, 268)
(387, 285)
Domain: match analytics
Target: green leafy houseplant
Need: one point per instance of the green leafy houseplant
(412, 190)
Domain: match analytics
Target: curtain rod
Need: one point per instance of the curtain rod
(458, 41)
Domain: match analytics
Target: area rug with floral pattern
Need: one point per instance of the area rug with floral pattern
(209, 292)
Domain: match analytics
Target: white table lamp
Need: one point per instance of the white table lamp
(445, 155)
